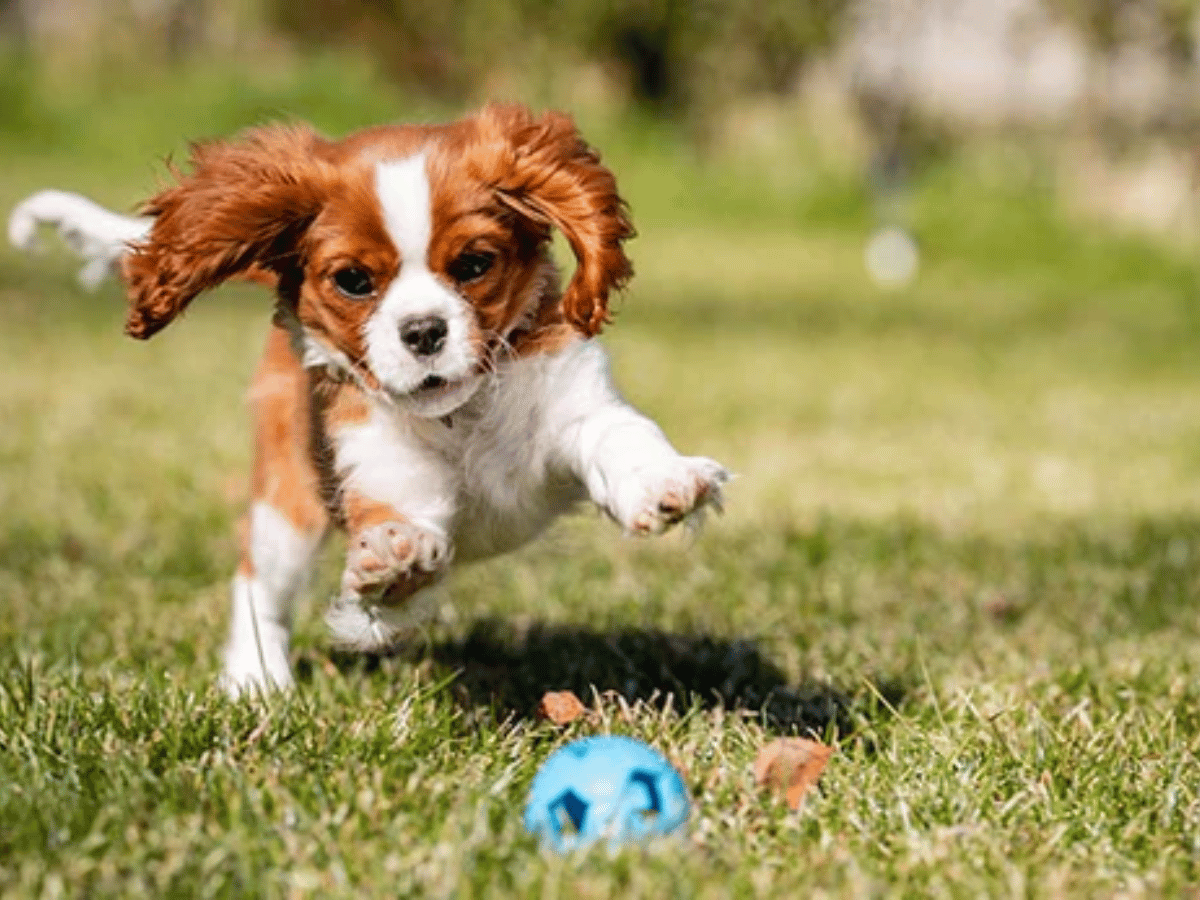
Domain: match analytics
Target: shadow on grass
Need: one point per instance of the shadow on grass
(510, 670)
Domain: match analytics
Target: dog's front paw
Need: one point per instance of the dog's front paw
(387, 564)
(681, 489)
(393, 560)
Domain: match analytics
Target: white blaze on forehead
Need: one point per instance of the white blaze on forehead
(417, 293)
(403, 189)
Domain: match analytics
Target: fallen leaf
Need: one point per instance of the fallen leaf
(561, 707)
(790, 766)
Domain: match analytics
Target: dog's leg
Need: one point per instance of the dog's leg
(630, 469)
(391, 565)
(283, 529)
(97, 234)
(635, 475)
(397, 502)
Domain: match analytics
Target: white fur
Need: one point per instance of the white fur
(358, 624)
(521, 447)
(95, 233)
(385, 460)
(260, 626)
(547, 432)
(403, 189)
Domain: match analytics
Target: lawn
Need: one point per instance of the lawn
(963, 546)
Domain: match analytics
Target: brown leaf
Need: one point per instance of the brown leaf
(790, 766)
(561, 707)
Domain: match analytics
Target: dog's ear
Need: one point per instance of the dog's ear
(550, 175)
(241, 210)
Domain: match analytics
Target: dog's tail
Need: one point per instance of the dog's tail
(99, 235)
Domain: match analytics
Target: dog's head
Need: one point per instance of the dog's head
(411, 256)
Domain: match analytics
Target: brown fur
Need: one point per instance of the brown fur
(244, 206)
(284, 474)
(283, 206)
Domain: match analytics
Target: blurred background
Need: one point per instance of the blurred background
(934, 256)
(923, 273)
(1099, 96)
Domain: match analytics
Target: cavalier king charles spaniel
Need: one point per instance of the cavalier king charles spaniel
(427, 384)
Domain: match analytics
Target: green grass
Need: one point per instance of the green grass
(964, 545)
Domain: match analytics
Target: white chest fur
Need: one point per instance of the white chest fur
(498, 470)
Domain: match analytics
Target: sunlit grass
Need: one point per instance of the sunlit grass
(964, 543)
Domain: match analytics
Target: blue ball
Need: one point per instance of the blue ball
(609, 787)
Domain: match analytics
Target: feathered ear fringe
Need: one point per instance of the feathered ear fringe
(246, 204)
(547, 173)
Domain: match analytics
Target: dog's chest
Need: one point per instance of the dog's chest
(509, 481)
(508, 491)
(503, 459)
(495, 472)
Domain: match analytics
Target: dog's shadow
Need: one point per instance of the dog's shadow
(509, 669)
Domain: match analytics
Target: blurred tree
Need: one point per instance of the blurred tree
(14, 23)
(694, 53)
(680, 55)
(434, 48)
(1167, 29)
(1165, 25)
(183, 23)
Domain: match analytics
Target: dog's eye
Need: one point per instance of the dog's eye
(469, 266)
(354, 282)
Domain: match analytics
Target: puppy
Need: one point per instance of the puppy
(427, 384)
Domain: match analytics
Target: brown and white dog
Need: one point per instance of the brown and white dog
(427, 384)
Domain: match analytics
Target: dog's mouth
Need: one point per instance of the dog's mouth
(436, 395)
(430, 388)
(434, 386)
(431, 382)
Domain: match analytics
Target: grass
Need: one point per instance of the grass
(964, 546)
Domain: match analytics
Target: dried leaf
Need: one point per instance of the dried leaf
(790, 766)
(561, 707)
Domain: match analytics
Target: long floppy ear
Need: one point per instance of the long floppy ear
(553, 177)
(241, 210)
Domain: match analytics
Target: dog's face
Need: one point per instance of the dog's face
(417, 274)
(411, 257)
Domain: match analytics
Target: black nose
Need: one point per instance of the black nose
(424, 336)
